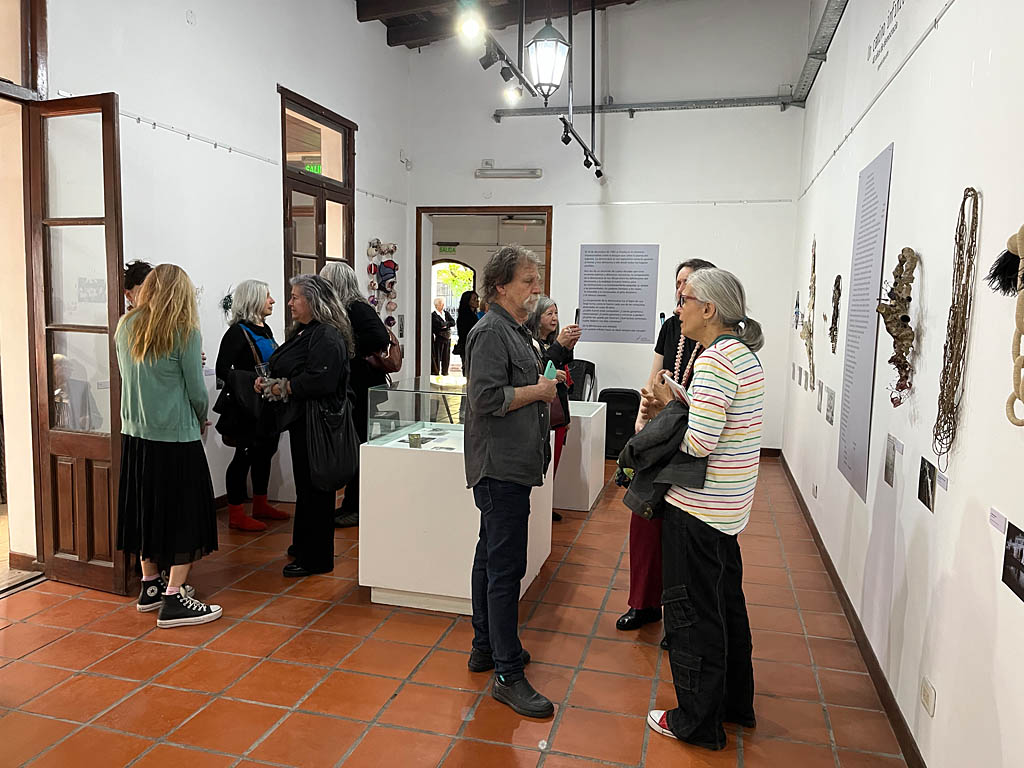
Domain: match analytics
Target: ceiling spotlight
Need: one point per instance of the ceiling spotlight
(513, 93)
(471, 27)
(566, 138)
(490, 57)
(545, 56)
(506, 73)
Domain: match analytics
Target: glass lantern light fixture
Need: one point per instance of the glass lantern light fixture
(545, 57)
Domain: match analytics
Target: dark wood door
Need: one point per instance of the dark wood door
(76, 298)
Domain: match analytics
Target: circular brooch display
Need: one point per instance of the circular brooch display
(389, 321)
(371, 268)
(373, 285)
(391, 306)
(372, 300)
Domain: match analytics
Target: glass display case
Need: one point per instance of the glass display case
(423, 413)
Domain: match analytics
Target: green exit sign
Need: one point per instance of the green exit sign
(314, 168)
(446, 249)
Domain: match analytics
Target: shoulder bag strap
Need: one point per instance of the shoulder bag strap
(256, 356)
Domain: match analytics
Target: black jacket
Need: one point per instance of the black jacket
(658, 464)
(464, 324)
(441, 328)
(560, 357)
(243, 418)
(315, 361)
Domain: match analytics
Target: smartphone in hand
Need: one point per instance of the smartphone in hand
(576, 320)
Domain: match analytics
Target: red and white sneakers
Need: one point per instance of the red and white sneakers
(657, 719)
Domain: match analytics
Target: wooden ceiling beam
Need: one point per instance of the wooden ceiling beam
(378, 10)
(415, 35)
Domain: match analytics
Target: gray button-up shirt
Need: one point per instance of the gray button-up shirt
(499, 443)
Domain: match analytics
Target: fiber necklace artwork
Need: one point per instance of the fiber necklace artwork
(954, 353)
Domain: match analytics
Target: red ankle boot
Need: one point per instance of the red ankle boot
(261, 508)
(238, 519)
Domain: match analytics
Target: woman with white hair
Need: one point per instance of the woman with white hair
(706, 625)
(247, 344)
(370, 337)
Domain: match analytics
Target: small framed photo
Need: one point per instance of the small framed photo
(926, 484)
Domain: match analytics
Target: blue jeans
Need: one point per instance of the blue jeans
(498, 569)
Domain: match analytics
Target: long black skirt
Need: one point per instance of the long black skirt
(165, 507)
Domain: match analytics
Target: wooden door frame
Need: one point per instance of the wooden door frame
(472, 210)
(34, 172)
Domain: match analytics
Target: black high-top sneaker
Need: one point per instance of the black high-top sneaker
(152, 591)
(179, 610)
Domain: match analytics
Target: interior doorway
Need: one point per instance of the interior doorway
(454, 242)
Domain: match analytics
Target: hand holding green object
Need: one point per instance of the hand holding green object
(549, 371)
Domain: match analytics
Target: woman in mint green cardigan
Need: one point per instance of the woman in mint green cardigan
(166, 514)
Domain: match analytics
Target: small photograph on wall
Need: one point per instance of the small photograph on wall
(890, 460)
(807, 381)
(401, 326)
(821, 394)
(926, 484)
(830, 406)
(1013, 560)
(793, 374)
(800, 376)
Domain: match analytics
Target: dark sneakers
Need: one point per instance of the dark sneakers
(152, 591)
(484, 662)
(522, 698)
(179, 610)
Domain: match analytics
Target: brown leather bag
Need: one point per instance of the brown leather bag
(390, 360)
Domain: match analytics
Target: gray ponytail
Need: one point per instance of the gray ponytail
(725, 291)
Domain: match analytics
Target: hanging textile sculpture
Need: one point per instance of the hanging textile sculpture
(895, 312)
(1007, 277)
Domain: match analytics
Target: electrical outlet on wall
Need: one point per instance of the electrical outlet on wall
(928, 696)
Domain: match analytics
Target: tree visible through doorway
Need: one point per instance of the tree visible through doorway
(450, 280)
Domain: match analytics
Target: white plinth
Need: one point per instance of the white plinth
(418, 525)
(580, 475)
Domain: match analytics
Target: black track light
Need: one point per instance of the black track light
(587, 162)
(490, 57)
(599, 173)
(566, 138)
(506, 73)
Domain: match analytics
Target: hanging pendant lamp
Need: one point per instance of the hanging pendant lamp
(545, 56)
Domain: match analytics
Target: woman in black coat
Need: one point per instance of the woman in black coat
(246, 344)
(555, 346)
(312, 364)
(464, 322)
(371, 337)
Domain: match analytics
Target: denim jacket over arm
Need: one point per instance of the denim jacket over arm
(499, 443)
(657, 462)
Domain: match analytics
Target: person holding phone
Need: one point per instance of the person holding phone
(555, 345)
(675, 353)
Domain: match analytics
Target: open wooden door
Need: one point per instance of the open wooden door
(75, 274)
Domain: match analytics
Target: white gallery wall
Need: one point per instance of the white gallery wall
(714, 184)
(219, 215)
(925, 584)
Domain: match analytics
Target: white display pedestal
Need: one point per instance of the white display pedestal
(418, 525)
(580, 475)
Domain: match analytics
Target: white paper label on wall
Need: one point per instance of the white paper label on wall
(209, 371)
(997, 520)
(103, 384)
(862, 320)
(943, 480)
(618, 290)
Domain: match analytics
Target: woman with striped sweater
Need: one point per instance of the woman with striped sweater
(705, 613)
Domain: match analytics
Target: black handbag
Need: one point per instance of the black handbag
(332, 444)
(241, 409)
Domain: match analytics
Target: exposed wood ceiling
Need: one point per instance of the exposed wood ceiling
(416, 23)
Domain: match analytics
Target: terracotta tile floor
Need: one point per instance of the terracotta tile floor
(309, 673)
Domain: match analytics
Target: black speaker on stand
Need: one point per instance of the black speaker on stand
(623, 407)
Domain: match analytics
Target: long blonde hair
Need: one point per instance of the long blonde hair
(166, 314)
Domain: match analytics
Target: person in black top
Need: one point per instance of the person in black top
(134, 275)
(557, 346)
(312, 365)
(441, 323)
(465, 319)
(676, 354)
(371, 337)
(246, 344)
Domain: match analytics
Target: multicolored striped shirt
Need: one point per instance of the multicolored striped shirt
(726, 402)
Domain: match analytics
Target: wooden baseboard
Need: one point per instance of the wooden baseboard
(771, 453)
(911, 752)
(22, 562)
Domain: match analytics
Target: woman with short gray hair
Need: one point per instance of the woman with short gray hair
(371, 337)
(247, 344)
(706, 622)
